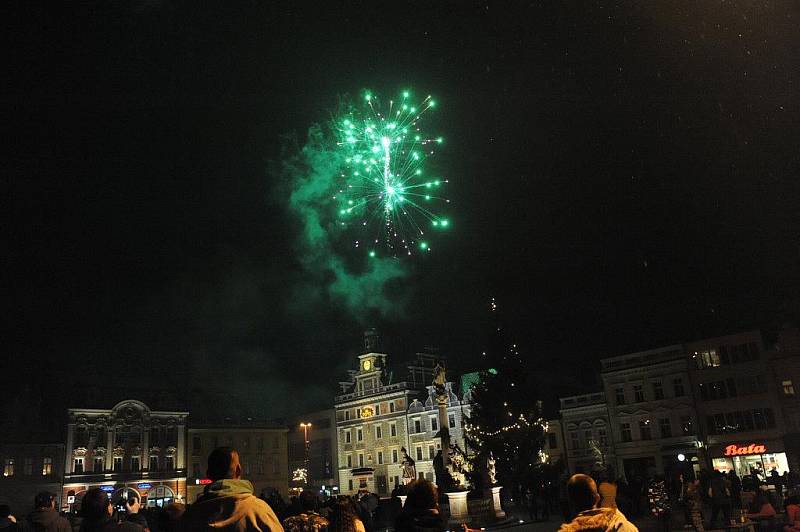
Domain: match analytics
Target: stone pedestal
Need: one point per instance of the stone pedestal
(498, 508)
(459, 512)
(402, 500)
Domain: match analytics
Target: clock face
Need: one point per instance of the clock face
(367, 365)
(366, 412)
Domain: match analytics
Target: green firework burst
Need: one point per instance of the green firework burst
(387, 194)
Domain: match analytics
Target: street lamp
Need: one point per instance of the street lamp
(306, 427)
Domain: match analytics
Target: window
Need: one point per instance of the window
(552, 441)
(349, 460)
(451, 418)
(197, 443)
(638, 393)
(587, 436)
(360, 459)
(135, 463)
(658, 391)
(378, 432)
(644, 429)
(77, 465)
(380, 457)
(391, 406)
(394, 456)
(347, 415)
(47, 466)
(677, 387)
(99, 464)
(431, 452)
(619, 394)
(350, 484)
(8, 467)
(434, 424)
(377, 409)
(419, 452)
(625, 432)
(117, 463)
(421, 475)
(169, 463)
(417, 426)
(788, 388)
(154, 463)
(393, 429)
(347, 437)
(574, 440)
(665, 427)
(396, 481)
(27, 467)
(602, 437)
(707, 359)
(359, 435)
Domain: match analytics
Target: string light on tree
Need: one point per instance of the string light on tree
(387, 192)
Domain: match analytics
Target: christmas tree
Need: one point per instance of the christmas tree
(505, 424)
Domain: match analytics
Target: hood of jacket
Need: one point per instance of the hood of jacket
(228, 487)
(597, 519)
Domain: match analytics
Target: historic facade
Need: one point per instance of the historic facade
(262, 452)
(29, 468)
(126, 447)
(587, 430)
(379, 416)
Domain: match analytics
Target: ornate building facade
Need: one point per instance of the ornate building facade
(377, 416)
(129, 447)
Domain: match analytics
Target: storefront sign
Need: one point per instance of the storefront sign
(733, 450)
(107, 488)
(144, 486)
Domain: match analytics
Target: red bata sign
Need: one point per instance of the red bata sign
(733, 450)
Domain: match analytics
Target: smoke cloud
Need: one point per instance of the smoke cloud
(361, 286)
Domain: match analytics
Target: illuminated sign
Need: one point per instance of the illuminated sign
(144, 486)
(70, 499)
(733, 450)
(107, 489)
(203, 481)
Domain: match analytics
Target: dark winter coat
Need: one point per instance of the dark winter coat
(47, 520)
(109, 525)
(425, 521)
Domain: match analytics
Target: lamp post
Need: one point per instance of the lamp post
(306, 427)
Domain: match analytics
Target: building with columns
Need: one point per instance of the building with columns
(130, 447)
(378, 415)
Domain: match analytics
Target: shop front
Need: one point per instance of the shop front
(747, 457)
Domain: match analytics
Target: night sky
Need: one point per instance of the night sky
(622, 175)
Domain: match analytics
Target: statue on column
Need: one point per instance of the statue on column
(491, 470)
(409, 467)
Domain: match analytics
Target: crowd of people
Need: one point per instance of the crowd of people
(600, 504)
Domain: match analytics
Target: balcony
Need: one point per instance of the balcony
(123, 476)
(375, 391)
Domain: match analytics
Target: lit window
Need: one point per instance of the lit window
(788, 388)
(8, 467)
(47, 466)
